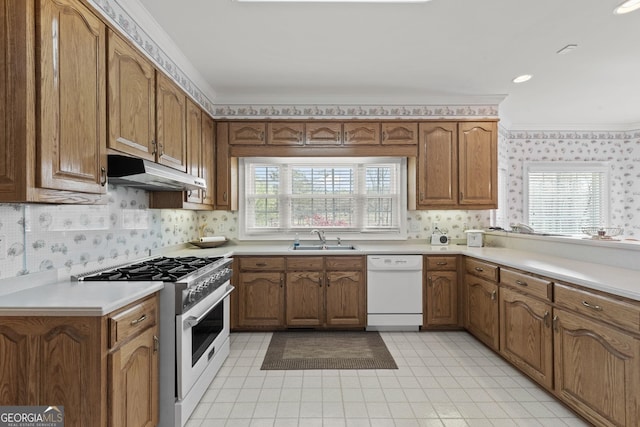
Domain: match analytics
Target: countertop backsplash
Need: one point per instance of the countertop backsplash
(35, 238)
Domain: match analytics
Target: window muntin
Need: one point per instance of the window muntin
(565, 197)
(349, 195)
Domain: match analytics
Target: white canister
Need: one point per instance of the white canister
(474, 238)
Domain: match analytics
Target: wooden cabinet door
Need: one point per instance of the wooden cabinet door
(441, 305)
(194, 148)
(226, 171)
(132, 100)
(208, 171)
(54, 359)
(324, 133)
(72, 97)
(482, 310)
(246, 133)
(261, 299)
(399, 133)
(345, 299)
(525, 335)
(305, 298)
(437, 165)
(133, 392)
(171, 125)
(478, 168)
(361, 133)
(285, 133)
(597, 369)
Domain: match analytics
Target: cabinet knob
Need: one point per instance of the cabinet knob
(441, 263)
(153, 147)
(546, 319)
(430, 280)
(521, 283)
(555, 323)
(479, 269)
(328, 282)
(224, 196)
(156, 344)
(493, 295)
(103, 176)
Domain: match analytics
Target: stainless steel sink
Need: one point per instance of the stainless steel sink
(323, 248)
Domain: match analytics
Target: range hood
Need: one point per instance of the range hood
(140, 173)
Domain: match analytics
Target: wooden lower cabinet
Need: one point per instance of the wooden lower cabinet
(345, 299)
(133, 370)
(482, 310)
(597, 369)
(525, 335)
(441, 302)
(330, 294)
(305, 298)
(66, 361)
(260, 299)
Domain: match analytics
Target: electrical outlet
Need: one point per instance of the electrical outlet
(3, 247)
(220, 228)
(175, 229)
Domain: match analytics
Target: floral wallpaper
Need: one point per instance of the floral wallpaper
(72, 237)
(620, 149)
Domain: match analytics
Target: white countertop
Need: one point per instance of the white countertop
(72, 298)
(67, 298)
(618, 281)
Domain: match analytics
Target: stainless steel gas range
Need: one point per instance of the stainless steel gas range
(194, 325)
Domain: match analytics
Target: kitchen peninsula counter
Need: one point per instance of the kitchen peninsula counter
(71, 298)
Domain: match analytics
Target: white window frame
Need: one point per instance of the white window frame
(594, 167)
(399, 234)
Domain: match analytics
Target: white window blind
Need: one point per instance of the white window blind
(565, 197)
(299, 194)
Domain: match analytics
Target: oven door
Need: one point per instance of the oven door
(199, 331)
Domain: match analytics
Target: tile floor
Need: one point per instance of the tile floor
(444, 379)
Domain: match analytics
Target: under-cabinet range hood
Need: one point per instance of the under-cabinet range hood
(140, 173)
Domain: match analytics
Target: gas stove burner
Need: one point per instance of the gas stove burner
(163, 269)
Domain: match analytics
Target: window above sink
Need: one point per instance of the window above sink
(363, 198)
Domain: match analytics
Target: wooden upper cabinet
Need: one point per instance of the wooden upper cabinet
(171, 126)
(132, 100)
(396, 133)
(361, 133)
(194, 147)
(478, 170)
(245, 133)
(71, 103)
(437, 171)
(285, 133)
(226, 171)
(208, 151)
(323, 133)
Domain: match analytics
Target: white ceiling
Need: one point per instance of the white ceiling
(440, 52)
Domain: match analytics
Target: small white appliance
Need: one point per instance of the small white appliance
(439, 237)
(474, 238)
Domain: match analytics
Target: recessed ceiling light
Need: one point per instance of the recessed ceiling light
(523, 78)
(627, 6)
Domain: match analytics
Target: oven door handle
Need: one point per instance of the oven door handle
(192, 321)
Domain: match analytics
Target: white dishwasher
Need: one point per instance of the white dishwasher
(394, 292)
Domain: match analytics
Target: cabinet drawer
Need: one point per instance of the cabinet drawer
(535, 286)
(262, 263)
(345, 263)
(304, 263)
(608, 309)
(482, 269)
(132, 319)
(441, 263)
